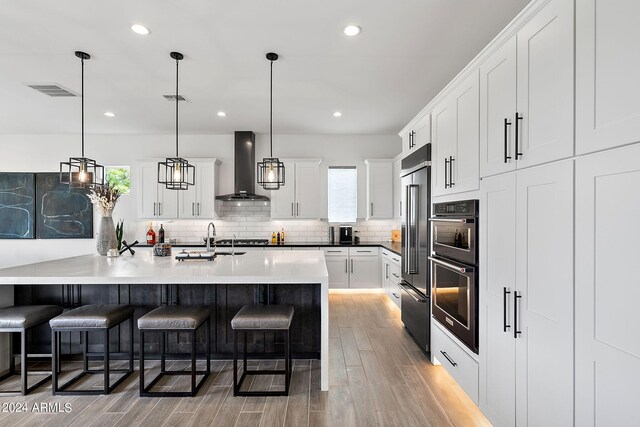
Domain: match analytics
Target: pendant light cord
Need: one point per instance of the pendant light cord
(177, 100)
(82, 102)
(271, 110)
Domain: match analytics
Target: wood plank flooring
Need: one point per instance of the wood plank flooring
(378, 377)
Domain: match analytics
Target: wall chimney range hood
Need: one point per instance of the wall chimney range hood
(244, 169)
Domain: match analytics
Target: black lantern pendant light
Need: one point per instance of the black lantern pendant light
(82, 172)
(271, 169)
(175, 173)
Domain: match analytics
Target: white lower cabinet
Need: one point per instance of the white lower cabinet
(607, 288)
(353, 267)
(462, 367)
(526, 311)
(391, 275)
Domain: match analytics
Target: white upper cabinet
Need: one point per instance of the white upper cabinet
(154, 200)
(300, 196)
(455, 139)
(607, 288)
(379, 189)
(607, 64)
(417, 135)
(526, 94)
(397, 190)
(545, 86)
(199, 201)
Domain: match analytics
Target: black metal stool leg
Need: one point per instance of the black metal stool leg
(85, 350)
(208, 350)
(54, 362)
(244, 355)
(23, 361)
(163, 340)
(141, 362)
(131, 344)
(106, 361)
(193, 362)
(287, 364)
(12, 360)
(235, 362)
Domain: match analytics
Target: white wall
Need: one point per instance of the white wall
(42, 153)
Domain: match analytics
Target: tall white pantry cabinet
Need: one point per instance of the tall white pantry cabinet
(558, 290)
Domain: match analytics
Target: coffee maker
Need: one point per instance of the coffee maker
(346, 234)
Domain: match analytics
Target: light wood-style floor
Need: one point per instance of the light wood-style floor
(378, 377)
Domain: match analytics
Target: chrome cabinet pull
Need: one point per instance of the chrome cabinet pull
(346, 266)
(193, 213)
(292, 209)
(297, 209)
(352, 266)
(154, 208)
(451, 160)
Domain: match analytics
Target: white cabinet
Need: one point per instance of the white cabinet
(337, 260)
(154, 200)
(379, 189)
(607, 288)
(455, 139)
(354, 267)
(526, 94)
(298, 198)
(417, 135)
(397, 189)
(607, 64)
(526, 317)
(199, 201)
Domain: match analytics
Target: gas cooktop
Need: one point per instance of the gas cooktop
(242, 242)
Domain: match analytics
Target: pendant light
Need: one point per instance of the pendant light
(175, 173)
(271, 169)
(82, 172)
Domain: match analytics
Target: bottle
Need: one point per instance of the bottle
(161, 234)
(151, 235)
(282, 236)
(278, 237)
(273, 238)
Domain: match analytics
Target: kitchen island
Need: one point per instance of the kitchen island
(298, 278)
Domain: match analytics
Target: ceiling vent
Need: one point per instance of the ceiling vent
(54, 90)
(173, 98)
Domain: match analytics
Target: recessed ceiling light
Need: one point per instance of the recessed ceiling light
(140, 29)
(222, 114)
(110, 114)
(337, 114)
(352, 30)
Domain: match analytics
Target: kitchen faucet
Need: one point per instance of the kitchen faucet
(233, 243)
(209, 227)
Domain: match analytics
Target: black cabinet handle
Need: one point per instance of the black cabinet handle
(446, 162)
(451, 160)
(444, 353)
(518, 153)
(504, 309)
(395, 295)
(507, 123)
(515, 314)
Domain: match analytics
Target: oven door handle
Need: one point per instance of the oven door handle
(456, 220)
(461, 269)
(410, 291)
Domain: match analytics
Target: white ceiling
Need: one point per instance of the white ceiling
(407, 51)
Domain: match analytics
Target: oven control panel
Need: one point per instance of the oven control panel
(458, 208)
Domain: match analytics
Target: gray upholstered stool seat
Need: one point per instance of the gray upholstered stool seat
(261, 318)
(93, 316)
(25, 316)
(21, 319)
(256, 317)
(97, 318)
(175, 318)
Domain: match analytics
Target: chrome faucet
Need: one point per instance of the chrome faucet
(209, 227)
(233, 244)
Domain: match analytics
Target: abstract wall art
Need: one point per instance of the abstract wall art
(17, 205)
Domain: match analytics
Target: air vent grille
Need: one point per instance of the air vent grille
(54, 90)
(173, 98)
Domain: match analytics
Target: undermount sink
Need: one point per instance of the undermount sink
(229, 253)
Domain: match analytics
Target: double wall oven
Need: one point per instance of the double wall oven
(454, 269)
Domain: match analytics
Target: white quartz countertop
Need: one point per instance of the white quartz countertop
(287, 266)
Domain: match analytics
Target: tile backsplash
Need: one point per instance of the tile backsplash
(252, 220)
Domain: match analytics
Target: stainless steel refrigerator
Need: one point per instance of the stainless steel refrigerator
(416, 238)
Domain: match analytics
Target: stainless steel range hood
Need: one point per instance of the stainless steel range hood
(244, 169)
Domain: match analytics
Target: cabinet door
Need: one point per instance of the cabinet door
(207, 185)
(397, 190)
(379, 190)
(365, 272)
(147, 189)
(465, 164)
(497, 108)
(444, 140)
(545, 85)
(406, 143)
(607, 64)
(283, 200)
(167, 203)
(187, 199)
(307, 200)
(338, 268)
(422, 129)
(498, 261)
(544, 281)
(607, 291)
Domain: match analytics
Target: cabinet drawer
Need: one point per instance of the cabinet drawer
(462, 367)
(336, 251)
(395, 293)
(364, 251)
(395, 275)
(395, 259)
(385, 254)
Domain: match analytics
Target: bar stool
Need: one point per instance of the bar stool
(174, 318)
(261, 318)
(21, 319)
(91, 318)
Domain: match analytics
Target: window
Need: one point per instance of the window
(343, 193)
(119, 177)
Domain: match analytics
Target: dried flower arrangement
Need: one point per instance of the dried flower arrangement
(105, 198)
